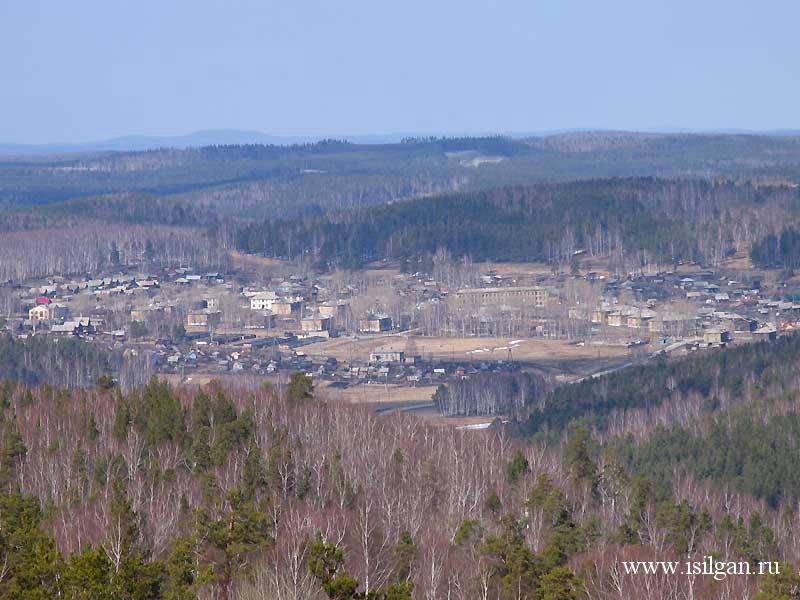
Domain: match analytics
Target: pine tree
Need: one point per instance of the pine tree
(559, 584)
(300, 388)
(517, 468)
(12, 449)
(578, 457)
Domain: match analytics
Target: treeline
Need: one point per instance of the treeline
(70, 363)
(634, 220)
(711, 381)
(63, 363)
(127, 208)
(780, 249)
(92, 248)
(489, 394)
(254, 495)
(312, 194)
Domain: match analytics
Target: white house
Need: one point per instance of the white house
(263, 301)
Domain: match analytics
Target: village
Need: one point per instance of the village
(390, 338)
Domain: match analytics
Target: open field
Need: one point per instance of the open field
(432, 416)
(739, 261)
(377, 394)
(382, 269)
(466, 349)
(234, 380)
(507, 269)
(521, 270)
(243, 260)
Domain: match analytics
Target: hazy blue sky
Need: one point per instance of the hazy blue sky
(87, 70)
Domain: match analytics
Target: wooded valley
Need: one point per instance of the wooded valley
(259, 495)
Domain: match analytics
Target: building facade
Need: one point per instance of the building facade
(530, 295)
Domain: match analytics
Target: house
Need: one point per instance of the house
(600, 315)
(672, 324)
(738, 323)
(204, 318)
(640, 318)
(268, 319)
(716, 336)
(262, 301)
(286, 308)
(331, 308)
(387, 355)
(765, 333)
(616, 319)
(316, 323)
(77, 326)
(375, 323)
(147, 284)
(40, 313)
(68, 328)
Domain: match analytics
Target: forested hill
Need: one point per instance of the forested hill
(630, 219)
(730, 416)
(711, 381)
(122, 208)
(308, 169)
(253, 495)
(257, 180)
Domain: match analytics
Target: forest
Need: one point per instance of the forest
(92, 248)
(781, 249)
(632, 220)
(633, 198)
(70, 363)
(628, 221)
(708, 382)
(329, 167)
(489, 394)
(257, 494)
(725, 416)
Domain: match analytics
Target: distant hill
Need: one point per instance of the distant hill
(197, 139)
(224, 137)
(630, 219)
(281, 180)
(131, 143)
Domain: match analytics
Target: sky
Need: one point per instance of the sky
(92, 70)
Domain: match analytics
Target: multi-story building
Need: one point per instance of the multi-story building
(533, 295)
